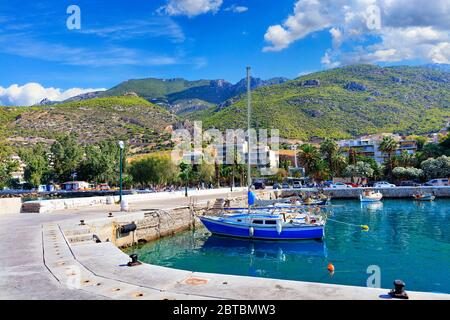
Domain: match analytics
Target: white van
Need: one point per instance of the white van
(297, 185)
(437, 182)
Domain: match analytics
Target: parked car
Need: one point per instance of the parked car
(409, 183)
(103, 187)
(285, 185)
(437, 182)
(259, 185)
(277, 186)
(297, 185)
(327, 184)
(383, 184)
(340, 185)
(353, 185)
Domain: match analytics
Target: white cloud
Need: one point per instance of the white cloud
(408, 29)
(236, 9)
(190, 8)
(33, 93)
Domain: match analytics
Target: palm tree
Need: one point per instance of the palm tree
(351, 156)
(339, 162)
(309, 157)
(329, 149)
(388, 146)
(406, 159)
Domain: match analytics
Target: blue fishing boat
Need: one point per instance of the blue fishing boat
(266, 226)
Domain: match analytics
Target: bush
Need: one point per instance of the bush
(407, 173)
(436, 168)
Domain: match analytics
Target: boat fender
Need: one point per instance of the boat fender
(279, 226)
(251, 231)
(365, 227)
(330, 268)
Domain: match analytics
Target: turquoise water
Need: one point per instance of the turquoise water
(407, 240)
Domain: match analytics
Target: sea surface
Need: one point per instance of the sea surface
(407, 240)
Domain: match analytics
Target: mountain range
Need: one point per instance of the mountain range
(178, 95)
(339, 103)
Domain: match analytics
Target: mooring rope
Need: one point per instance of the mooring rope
(362, 226)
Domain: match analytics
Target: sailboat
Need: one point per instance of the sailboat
(270, 223)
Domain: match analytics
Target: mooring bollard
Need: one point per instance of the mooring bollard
(399, 290)
(82, 223)
(134, 260)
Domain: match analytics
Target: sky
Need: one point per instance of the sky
(51, 49)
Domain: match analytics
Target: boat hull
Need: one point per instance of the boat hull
(425, 198)
(370, 199)
(263, 233)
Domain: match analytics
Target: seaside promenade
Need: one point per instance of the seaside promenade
(38, 262)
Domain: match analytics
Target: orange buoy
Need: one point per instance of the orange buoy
(330, 267)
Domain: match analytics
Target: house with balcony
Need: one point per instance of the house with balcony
(369, 147)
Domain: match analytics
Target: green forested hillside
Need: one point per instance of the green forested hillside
(133, 119)
(345, 102)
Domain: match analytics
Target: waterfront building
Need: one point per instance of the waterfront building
(19, 173)
(261, 156)
(369, 147)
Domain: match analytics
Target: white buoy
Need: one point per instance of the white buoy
(251, 231)
(109, 200)
(124, 205)
(279, 226)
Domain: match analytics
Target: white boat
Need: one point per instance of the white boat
(370, 196)
(424, 197)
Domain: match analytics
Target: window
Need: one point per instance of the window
(271, 222)
(258, 221)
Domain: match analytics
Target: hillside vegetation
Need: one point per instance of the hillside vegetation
(133, 119)
(345, 102)
(190, 95)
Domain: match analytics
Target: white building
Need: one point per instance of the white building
(369, 147)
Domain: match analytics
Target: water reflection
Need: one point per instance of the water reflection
(372, 206)
(276, 250)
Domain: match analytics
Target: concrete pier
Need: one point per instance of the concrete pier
(53, 256)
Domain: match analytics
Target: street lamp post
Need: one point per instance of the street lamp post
(121, 147)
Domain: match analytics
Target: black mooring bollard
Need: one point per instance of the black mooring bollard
(399, 290)
(134, 260)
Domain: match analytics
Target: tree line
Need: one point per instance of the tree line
(67, 160)
(432, 160)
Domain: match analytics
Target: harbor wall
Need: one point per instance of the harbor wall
(46, 206)
(388, 193)
(10, 205)
(150, 225)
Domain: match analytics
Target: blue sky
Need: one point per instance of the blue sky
(209, 39)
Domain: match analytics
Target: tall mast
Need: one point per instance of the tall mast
(249, 100)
